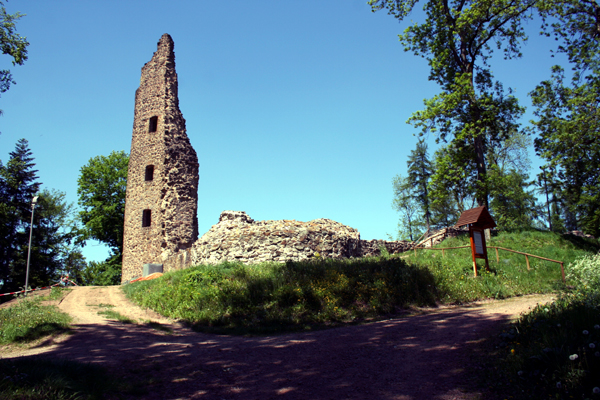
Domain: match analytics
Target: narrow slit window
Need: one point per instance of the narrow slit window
(146, 218)
(149, 173)
(153, 124)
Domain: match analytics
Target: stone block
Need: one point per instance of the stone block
(151, 268)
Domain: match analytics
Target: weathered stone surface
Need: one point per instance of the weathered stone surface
(237, 237)
(170, 192)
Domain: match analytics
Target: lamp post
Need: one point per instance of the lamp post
(33, 203)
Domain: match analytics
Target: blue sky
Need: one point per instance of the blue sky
(296, 109)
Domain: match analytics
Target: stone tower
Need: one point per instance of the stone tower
(162, 181)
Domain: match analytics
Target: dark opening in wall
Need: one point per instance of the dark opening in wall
(149, 173)
(146, 218)
(153, 124)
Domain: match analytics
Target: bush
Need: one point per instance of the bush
(584, 273)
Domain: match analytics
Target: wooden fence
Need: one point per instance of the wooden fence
(527, 255)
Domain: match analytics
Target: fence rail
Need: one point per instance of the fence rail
(527, 255)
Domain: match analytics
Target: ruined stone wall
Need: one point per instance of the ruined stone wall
(162, 194)
(237, 237)
(170, 192)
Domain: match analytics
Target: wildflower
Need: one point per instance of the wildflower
(558, 325)
(596, 390)
(597, 354)
(512, 351)
(592, 346)
(520, 373)
(573, 357)
(558, 385)
(585, 332)
(596, 326)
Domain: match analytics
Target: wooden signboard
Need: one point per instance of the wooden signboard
(478, 219)
(478, 247)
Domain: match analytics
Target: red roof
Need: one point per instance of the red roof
(479, 217)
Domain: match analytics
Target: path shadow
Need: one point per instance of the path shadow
(421, 357)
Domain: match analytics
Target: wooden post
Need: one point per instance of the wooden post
(474, 268)
(415, 249)
(527, 260)
(443, 255)
(431, 242)
(562, 271)
(497, 256)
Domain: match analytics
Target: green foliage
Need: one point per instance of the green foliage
(405, 202)
(12, 44)
(452, 184)
(576, 27)
(568, 123)
(419, 172)
(457, 39)
(297, 295)
(53, 229)
(103, 273)
(512, 206)
(29, 320)
(101, 188)
(584, 273)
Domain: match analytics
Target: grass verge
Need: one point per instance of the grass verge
(39, 378)
(554, 351)
(29, 320)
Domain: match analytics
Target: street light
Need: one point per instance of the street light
(33, 203)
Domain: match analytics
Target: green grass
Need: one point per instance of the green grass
(111, 314)
(509, 277)
(271, 297)
(40, 379)
(159, 327)
(57, 293)
(554, 351)
(233, 298)
(29, 320)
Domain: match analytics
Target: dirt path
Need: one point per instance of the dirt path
(418, 357)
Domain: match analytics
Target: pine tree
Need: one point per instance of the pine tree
(419, 173)
(51, 227)
(18, 186)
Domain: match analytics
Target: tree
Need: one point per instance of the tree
(103, 273)
(12, 44)
(568, 116)
(404, 202)
(568, 122)
(457, 39)
(51, 230)
(101, 188)
(512, 204)
(419, 172)
(452, 184)
(18, 185)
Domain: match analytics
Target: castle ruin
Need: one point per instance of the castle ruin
(162, 180)
(161, 225)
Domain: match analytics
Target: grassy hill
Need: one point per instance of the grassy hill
(270, 297)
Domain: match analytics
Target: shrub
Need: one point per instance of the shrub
(584, 273)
